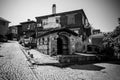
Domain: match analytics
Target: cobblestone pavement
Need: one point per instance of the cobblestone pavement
(79, 72)
(13, 64)
(40, 58)
(98, 71)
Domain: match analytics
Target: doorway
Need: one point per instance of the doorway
(59, 46)
(62, 45)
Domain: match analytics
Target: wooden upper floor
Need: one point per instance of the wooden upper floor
(76, 18)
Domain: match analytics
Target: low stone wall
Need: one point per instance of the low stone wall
(77, 58)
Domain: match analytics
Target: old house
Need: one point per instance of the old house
(3, 26)
(28, 28)
(60, 32)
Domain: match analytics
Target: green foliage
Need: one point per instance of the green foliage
(112, 38)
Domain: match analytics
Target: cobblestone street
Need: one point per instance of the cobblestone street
(14, 66)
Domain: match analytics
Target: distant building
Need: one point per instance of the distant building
(15, 31)
(19, 31)
(3, 26)
(12, 32)
(29, 28)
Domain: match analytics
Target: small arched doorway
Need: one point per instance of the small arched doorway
(59, 46)
(62, 45)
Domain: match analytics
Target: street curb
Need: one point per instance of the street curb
(28, 59)
(27, 56)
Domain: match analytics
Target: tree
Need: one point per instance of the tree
(111, 43)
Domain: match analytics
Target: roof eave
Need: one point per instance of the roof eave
(61, 13)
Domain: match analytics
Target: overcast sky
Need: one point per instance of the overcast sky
(102, 14)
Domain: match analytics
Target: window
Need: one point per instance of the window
(71, 19)
(57, 21)
(45, 21)
(42, 40)
(28, 27)
(39, 25)
(45, 40)
(37, 41)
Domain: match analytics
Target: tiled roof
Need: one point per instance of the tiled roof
(2, 19)
(63, 13)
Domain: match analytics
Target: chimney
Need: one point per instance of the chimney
(28, 20)
(54, 9)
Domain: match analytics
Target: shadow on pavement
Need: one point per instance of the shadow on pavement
(61, 65)
(87, 67)
(83, 66)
